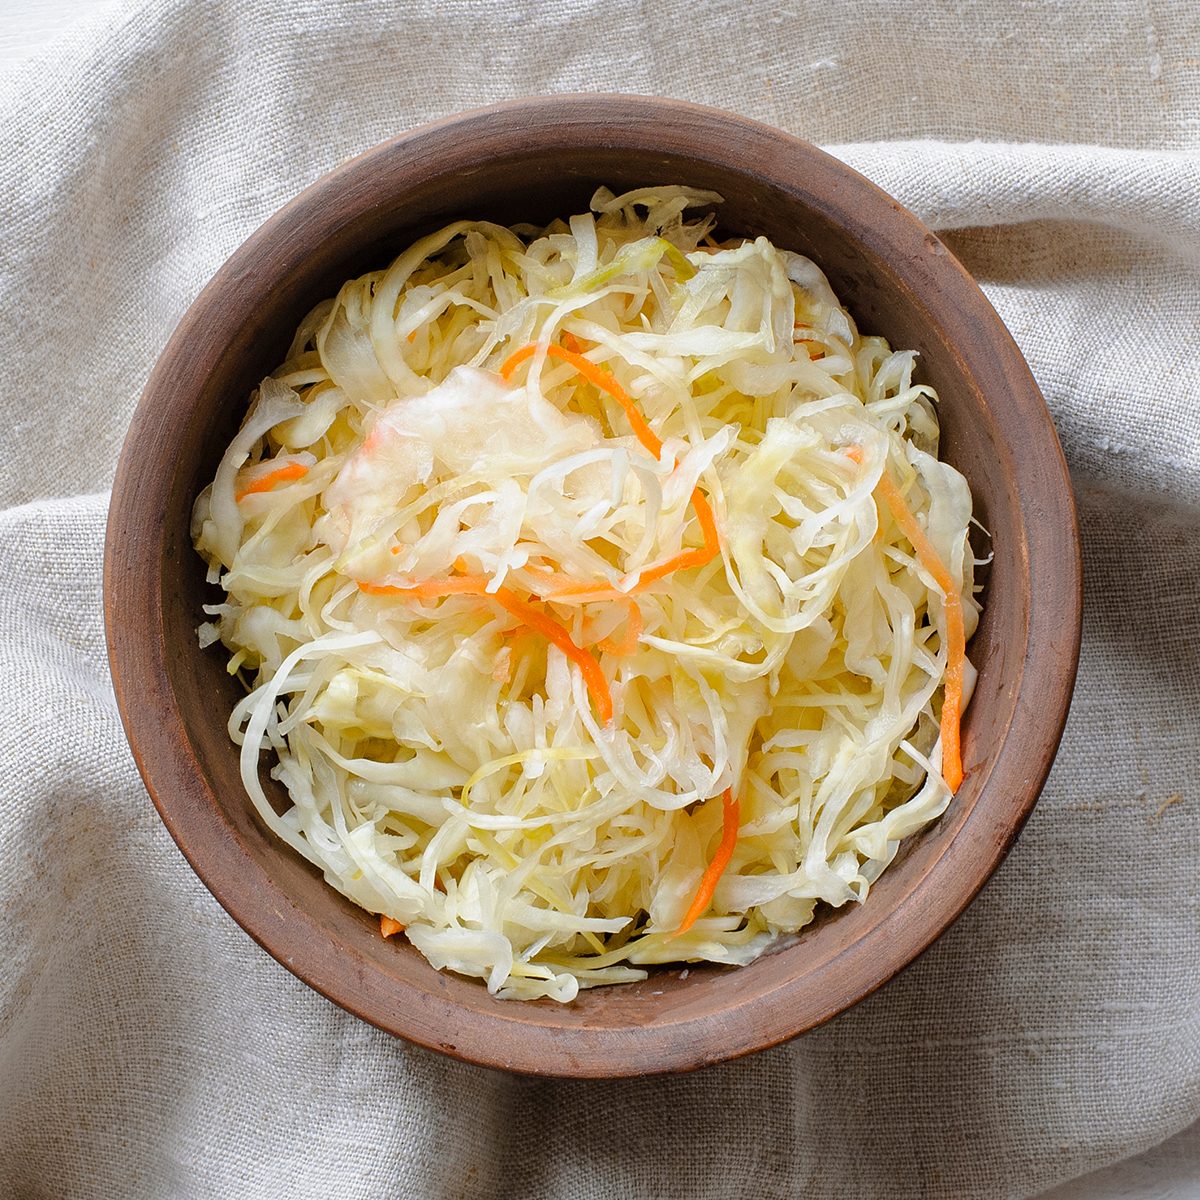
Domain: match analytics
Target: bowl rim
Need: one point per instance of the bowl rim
(154, 723)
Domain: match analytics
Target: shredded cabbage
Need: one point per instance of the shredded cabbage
(447, 765)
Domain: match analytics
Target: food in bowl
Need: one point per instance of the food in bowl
(599, 595)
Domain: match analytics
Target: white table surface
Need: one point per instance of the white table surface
(1169, 1172)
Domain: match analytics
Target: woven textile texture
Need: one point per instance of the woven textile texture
(149, 1049)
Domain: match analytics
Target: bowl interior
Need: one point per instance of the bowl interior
(528, 164)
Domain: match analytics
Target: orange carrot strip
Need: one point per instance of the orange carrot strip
(716, 868)
(572, 342)
(596, 376)
(633, 631)
(549, 628)
(956, 642)
(264, 483)
(387, 926)
(689, 558)
(430, 589)
(606, 382)
(560, 588)
(568, 590)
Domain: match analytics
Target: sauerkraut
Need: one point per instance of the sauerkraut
(599, 595)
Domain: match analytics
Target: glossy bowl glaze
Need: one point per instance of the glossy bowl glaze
(530, 161)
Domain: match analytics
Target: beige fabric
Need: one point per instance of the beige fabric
(149, 1049)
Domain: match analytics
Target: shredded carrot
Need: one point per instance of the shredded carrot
(628, 645)
(564, 589)
(430, 589)
(567, 590)
(596, 376)
(388, 927)
(854, 452)
(606, 382)
(264, 483)
(412, 337)
(956, 642)
(689, 558)
(547, 626)
(716, 868)
(573, 343)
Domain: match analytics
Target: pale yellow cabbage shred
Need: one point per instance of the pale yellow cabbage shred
(446, 768)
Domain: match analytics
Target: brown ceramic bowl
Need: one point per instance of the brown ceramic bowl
(530, 161)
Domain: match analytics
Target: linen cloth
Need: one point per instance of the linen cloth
(149, 1049)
